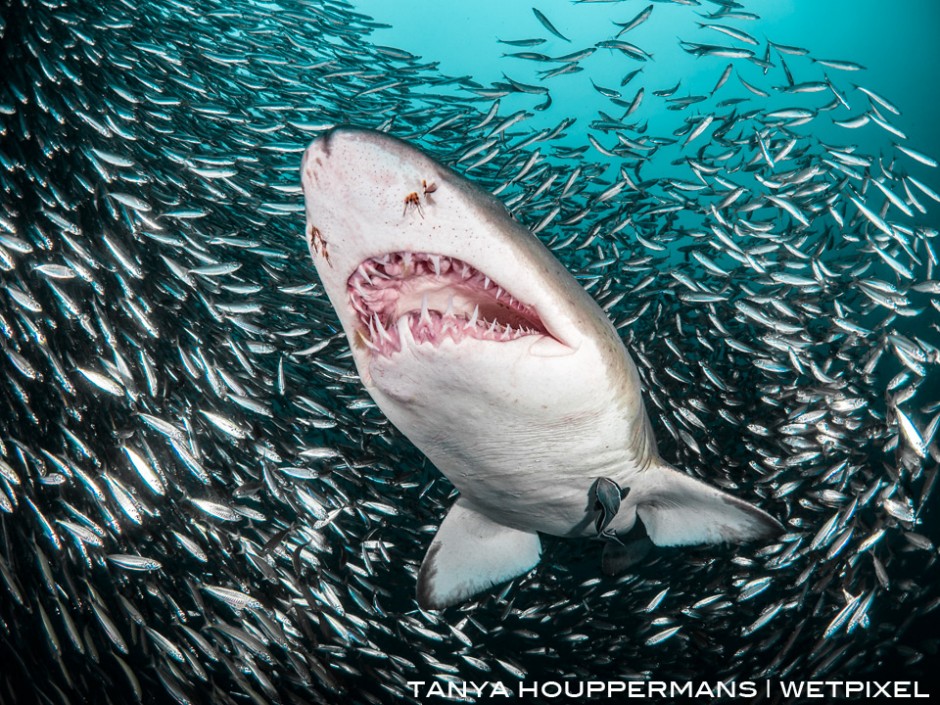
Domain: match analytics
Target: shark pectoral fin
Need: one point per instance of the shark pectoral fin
(470, 554)
(678, 510)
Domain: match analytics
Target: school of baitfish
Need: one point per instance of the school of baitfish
(198, 501)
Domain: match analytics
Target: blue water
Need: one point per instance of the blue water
(897, 44)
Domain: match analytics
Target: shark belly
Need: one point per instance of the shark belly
(525, 451)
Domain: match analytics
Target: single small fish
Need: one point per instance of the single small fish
(233, 598)
(516, 43)
(548, 25)
(731, 32)
(132, 202)
(102, 382)
(639, 19)
(133, 562)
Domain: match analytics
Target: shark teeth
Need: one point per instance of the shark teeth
(473, 319)
(435, 298)
(381, 330)
(425, 313)
(363, 274)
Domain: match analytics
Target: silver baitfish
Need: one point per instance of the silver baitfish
(199, 503)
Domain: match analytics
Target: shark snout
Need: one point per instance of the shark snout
(318, 155)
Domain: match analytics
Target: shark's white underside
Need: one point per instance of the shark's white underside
(486, 353)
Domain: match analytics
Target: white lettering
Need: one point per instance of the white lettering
(650, 690)
(569, 690)
(703, 690)
(435, 689)
(853, 687)
(457, 691)
(499, 688)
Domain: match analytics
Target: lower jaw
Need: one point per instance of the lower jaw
(433, 329)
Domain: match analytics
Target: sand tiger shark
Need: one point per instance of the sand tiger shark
(482, 349)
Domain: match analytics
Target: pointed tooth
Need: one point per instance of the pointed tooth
(486, 282)
(450, 307)
(381, 329)
(507, 333)
(465, 271)
(425, 314)
(492, 326)
(364, 274)
(404, 329)
(436, 261)
(375, 270)
(473, 318)
(369, 344)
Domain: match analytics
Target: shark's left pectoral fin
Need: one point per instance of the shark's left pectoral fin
(470, 554)
(678, 510)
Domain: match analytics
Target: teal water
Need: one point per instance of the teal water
(896, 44)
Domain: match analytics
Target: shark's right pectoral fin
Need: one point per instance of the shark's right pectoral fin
(470, 554)
(679, 510)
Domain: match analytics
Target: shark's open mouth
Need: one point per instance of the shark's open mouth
(439, 297)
